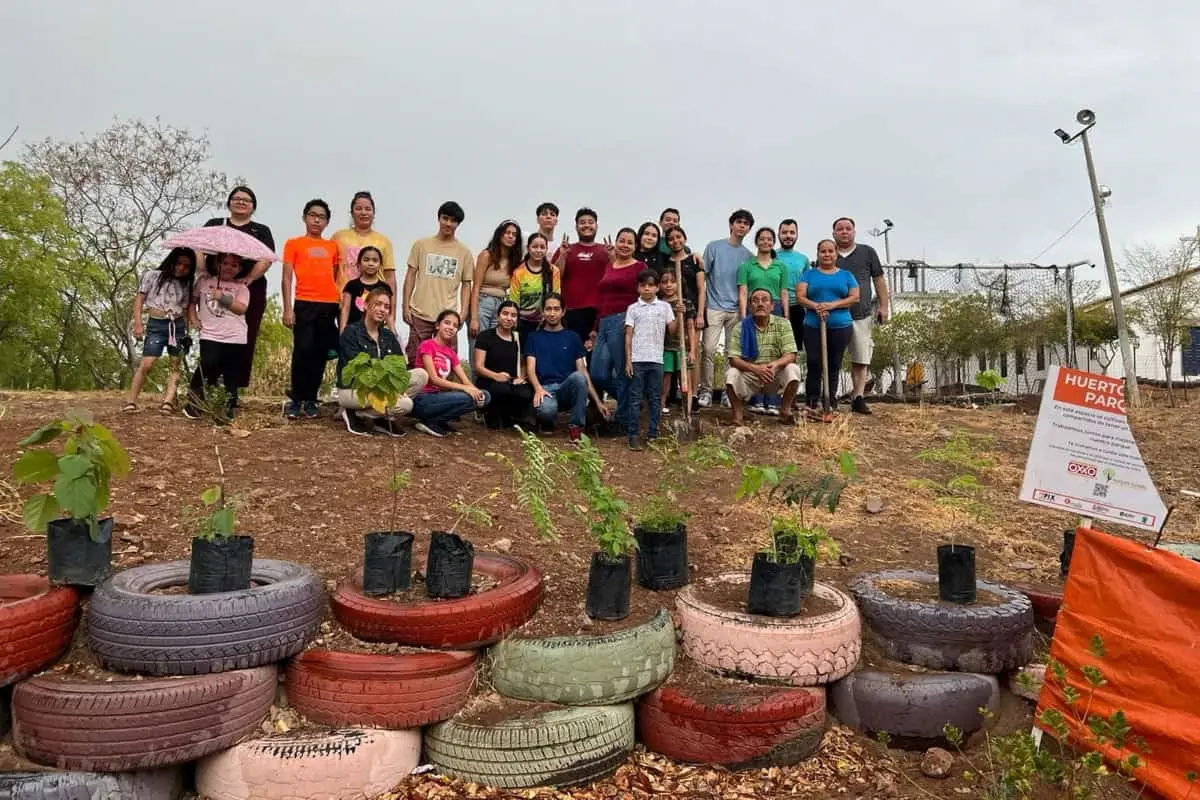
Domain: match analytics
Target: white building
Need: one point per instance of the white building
(1026, 375)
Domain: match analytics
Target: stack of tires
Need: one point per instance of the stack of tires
(745, 724)
(962, 648)
(203, 674)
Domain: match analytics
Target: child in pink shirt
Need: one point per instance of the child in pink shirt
(449, 393)
(218, 311)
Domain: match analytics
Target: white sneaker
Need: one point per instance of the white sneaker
(666, 410)
(704, 398)
(757, 408)
(725, 401)
(773, 411)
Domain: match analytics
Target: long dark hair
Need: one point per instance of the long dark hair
(166, 270)
(760, 232)
(645, 226)
(495, 248)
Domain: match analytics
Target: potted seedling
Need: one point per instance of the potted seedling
(540, 477)
(221, 560)
(782, 575)
(387, 555)
(78, 536)
(959, 493)
(660, 524)
(451, 557)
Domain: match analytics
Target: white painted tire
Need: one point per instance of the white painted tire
(800, 651)
(348, 764)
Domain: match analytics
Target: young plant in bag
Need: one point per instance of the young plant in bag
(661, 512)
(379, 384)
(793, 535)
(79, 477)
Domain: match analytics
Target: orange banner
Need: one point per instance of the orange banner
(1145, 606)
(1090, 390)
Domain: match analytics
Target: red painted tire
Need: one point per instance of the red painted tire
(333, 765)
(1045, 604)
(123, 725)
(36, 624)
(802, 652)
(750, 728)
(385, 691)
(474, 621)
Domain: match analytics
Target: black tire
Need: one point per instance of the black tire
(133, 631)
(913, 709)
(974, 638)
(159, 784)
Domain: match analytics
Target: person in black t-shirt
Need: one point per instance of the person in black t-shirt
(497, 362)
(354, 293)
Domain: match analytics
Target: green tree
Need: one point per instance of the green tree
(123, 190)
(1169, 300)
(45, 340)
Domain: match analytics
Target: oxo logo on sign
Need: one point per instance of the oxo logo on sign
(1077, 468)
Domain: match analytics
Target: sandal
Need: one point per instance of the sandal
(129, 408)
(167, 408)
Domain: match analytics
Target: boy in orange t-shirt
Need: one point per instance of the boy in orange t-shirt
(310, 308)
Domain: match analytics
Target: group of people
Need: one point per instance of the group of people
(629, 317)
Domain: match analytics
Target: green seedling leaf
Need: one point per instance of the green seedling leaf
(211, 496)
(43, 435)
(399, 481)
(77, 494)
(36, 466)
(39, 511)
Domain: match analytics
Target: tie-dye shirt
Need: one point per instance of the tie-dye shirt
(527, 289)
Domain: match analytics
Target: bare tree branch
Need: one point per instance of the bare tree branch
(10, 136)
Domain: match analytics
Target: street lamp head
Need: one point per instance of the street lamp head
(1086, 117)
(887, 223)
(1060, 133)
(1105, 192)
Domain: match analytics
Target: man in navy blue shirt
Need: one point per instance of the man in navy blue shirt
(556, 363)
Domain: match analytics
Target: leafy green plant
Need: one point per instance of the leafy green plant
(91, 457)
(989, 379)
(543, 474)
(379, 383)
(962, 460)
(1016, 765)
(792, 535)
(661, 512)
(472, 510)
(214, 404)
(216, 517)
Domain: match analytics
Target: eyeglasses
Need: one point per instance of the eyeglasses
(240, 199)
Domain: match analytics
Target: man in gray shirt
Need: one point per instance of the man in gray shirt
(862, 261)
(718, 305)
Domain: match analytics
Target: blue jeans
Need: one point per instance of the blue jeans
(487, 311)
(571, 394)
(646, 384)
(439, 407)
(608, 362)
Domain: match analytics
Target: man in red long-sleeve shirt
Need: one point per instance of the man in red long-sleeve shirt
(582, 265)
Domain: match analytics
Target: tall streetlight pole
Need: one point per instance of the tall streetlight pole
(1087, 119)
(887, 245)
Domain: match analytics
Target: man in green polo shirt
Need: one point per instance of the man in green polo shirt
(762, 358)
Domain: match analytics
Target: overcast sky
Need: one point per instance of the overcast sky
(938, 114)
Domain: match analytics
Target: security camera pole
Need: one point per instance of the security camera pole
(1087, 119)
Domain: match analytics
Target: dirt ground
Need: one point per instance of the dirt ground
(309, 491)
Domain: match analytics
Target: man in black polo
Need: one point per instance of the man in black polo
(862, 261)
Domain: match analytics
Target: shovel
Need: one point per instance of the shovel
(686, 428)
(826, 414)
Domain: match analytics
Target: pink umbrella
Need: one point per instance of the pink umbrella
(222, 239)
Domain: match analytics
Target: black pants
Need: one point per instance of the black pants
(219, 362)
(583, 322)
(512, 404)
(314, 336)
(254, 314)
(836, 340)
(796, 317)
(524, 328)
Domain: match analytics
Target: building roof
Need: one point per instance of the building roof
(1138, 289)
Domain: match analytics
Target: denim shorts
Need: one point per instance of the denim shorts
(159, 337)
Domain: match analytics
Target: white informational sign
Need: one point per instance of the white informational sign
(1083, 458)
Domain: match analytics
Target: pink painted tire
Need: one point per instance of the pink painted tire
(347, 764)
(801, 651)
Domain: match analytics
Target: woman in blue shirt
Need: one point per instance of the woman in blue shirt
(826, 292)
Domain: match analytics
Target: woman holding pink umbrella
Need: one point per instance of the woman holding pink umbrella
(242, 203)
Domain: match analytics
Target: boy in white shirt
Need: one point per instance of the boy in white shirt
(647, 323)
